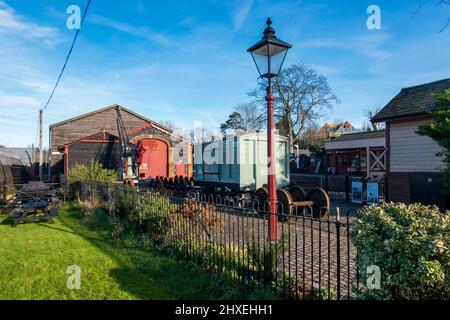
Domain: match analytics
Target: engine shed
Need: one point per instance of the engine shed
(102, 147)
(94, 136)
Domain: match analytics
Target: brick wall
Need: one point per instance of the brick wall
(398, 187)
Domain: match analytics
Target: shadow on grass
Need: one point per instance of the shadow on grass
(147, 273)
(6, 221)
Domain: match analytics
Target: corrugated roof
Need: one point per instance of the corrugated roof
(362, 135)
(24, 154)
(416, 100)
(8, 158)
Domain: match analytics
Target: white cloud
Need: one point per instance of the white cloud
(240, 11)
(12, 23)
(138, 32)
(368, 45)
(14, 101)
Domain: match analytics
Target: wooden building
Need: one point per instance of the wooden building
(413, 162)
(95, 136)
(102, 147)
(360, 153)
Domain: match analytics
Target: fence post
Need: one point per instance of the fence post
(338, 254)
(347, 189)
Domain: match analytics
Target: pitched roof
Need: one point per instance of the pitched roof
(412, 101)
(107, 108)
(362, 135)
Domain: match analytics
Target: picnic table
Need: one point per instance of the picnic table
(35, 202)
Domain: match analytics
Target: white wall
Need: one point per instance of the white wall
(410, 152)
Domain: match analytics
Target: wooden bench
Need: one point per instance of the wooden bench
(34, 211)
(34, 202)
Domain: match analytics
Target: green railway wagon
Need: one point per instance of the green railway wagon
(239, 162)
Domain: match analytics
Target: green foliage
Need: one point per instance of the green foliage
(267, 259)
(439, 130)
(296, 288)
(410, 244)
(93, 172)
(234, 122)
(142, 213)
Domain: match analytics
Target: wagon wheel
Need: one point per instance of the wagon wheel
(159, 184)
(262, 194)
(297, 193)
(285, 199)
(176, 183)
(320, 200)
(182, 185)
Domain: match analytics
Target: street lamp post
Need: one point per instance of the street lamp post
(269, 54)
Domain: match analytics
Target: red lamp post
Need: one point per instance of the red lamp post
(269, 54)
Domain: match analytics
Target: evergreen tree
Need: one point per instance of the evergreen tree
(439, 130)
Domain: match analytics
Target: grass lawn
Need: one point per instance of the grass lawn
(34, 258)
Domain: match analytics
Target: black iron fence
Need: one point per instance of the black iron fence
(312, 258)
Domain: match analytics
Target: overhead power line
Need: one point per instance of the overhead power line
(69, 54)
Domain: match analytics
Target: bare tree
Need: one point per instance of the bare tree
(245, 116)
(252, 115)
(302, 97)
(171, 125)
(436, 3)
(311, 138)
(369, 114)
(201, 134)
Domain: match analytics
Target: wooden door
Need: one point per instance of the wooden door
(154, 159)
(181, 169)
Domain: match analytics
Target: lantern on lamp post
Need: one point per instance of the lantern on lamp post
(269, 54)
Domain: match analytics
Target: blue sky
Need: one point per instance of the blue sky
(186, 61)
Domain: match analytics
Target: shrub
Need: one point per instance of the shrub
(144, 213)
(202, 218)
(295, 288)
(94, 173)
(410, 245)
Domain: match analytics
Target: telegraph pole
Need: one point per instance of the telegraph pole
(41, 146)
